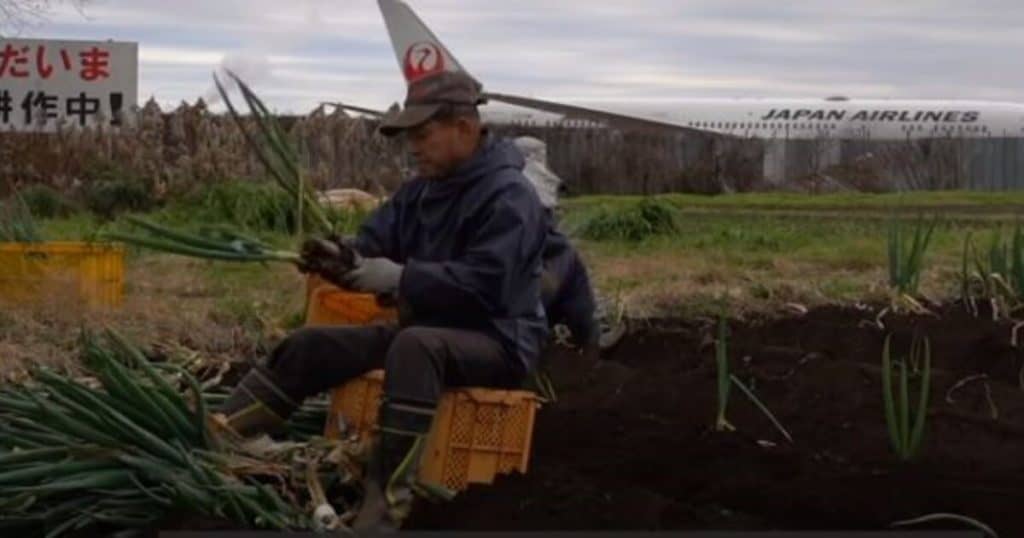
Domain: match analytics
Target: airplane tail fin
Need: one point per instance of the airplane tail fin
(418, 51)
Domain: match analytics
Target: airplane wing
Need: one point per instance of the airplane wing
(354, 108)
(420, 53)
(624, 121)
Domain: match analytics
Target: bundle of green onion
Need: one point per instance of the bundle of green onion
(128, 446)
(279, 157)
(216, 243)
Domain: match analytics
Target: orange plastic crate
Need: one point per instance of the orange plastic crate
(331, 305)
(478, 433)
(32, 272)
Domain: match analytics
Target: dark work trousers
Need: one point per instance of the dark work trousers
(418, 361)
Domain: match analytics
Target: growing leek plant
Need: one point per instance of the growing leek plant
(905, 431)
(906, 257)
(725, 380)
(997, 277)
(722, 377)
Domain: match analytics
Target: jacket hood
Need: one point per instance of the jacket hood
(493, 155)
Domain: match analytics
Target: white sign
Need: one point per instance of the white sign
(48, 83)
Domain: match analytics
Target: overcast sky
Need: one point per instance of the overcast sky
(300, 52)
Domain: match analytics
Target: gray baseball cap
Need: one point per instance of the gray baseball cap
(426, 96)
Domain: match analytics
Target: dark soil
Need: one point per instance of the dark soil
(630, 443)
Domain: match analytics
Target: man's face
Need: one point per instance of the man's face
(438, 147)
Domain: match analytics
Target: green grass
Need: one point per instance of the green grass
(632, 221)
(796, 201)
(760, 259)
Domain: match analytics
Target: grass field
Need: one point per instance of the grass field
(908, 201)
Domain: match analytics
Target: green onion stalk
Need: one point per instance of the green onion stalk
(214, 244)
(129, 447)
(278, 156)
(281, 160)
(722, 373)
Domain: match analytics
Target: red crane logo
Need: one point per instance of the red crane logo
(422, 59)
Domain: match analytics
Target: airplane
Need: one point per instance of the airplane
(419, 53)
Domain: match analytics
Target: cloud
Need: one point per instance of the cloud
(299, 53)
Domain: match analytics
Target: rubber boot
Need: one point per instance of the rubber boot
(257, 405)
(393, 467)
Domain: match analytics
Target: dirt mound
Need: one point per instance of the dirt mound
(630, 443)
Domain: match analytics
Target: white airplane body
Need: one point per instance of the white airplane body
(420, 53)
(870, 119)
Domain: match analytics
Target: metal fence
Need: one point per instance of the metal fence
(191, 145)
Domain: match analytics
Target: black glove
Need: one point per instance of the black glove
(331, 258)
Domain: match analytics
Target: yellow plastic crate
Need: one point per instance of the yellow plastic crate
(478, 433)
(31, 272)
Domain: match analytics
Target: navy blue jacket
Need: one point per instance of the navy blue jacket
(472, 246)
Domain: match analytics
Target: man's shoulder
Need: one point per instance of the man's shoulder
(508, 187)
(408, 189)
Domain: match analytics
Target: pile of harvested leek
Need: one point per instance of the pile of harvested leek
(128, 446)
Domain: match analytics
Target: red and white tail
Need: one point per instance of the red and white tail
(418, 51)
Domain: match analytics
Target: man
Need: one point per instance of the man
(459, 247)
(565, 285)
(566, 291)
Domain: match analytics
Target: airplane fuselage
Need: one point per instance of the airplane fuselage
(839, 118)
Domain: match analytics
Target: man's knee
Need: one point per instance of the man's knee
(415, 348)
(294, 346)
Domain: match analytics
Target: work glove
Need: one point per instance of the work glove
(379, 276)
(331, 257)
